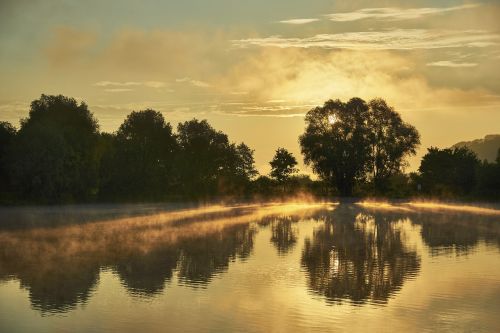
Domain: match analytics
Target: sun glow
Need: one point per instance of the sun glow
(332, 119)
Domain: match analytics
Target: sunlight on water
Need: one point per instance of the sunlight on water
(294, 266)
(409, 206)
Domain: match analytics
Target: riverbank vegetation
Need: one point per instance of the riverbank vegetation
(356, 148)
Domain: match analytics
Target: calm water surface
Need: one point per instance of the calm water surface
(250, 268)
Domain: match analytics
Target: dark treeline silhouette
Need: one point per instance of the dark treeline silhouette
(357, 148)
(59, 155)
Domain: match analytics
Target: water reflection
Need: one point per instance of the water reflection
(283, 231)
(60, 266)
(355, 253)
(444, 230)
(145, 274)
(202, 258)
(357, 256)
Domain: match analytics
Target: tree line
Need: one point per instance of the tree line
(355, 148)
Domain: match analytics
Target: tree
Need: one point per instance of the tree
(245, 165)
(208, 162)
(488, 179)
(141, 164)
(7, 135)
(283, 165)
(53, 157)
(348, 142)
(391, 141)
(449, 171)
(336, 142)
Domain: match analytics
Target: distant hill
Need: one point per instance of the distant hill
(486, 148)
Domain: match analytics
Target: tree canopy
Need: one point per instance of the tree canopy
(355, 147)
(283, 165)
(141, 164)
(447, 171)
(349, 142)
(391, 140)
(53, 154)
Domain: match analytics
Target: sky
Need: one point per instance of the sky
(254, 68)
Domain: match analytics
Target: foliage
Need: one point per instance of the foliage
(336, 142)
(449, 171)
(7, 135)
(347, 143)
(53, 155)
(283, 165)
(391, 141)
(142, 162)
(58, 155)
(208, 163)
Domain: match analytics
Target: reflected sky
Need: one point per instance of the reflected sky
(251, 267)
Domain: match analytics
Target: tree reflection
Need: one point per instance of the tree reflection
(60, 266)
(457, 233)
(357, 256)
(202, 258)
(283, 232)
(146, 274)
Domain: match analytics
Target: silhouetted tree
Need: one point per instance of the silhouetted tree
(238, 171)
(448, 171)
(141, 164)
(283, 165)
(391, 141)
(245, 166)
(7, 134)
(336, 142)
(488, 179)
(53, 157)
(346, 142)
(208, 163)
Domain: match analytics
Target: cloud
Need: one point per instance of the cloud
(68, 45)
(448, 63)
(149, 84)
(300, 21)
(196, 83)
(302, 78)
(394, 14)
(117, 90)
(397, 39)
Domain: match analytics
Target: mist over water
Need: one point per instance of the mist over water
(255, 267)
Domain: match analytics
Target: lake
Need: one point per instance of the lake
(282, 267)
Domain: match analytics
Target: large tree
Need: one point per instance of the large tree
(53, 157)
(283, 165)
(391, 141)
(336, 142)
(140, 164)
(349, 142)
